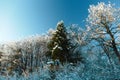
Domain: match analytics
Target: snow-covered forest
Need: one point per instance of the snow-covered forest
(69, 52)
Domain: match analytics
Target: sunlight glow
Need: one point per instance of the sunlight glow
(6, 29)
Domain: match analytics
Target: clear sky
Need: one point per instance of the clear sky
(22, 18)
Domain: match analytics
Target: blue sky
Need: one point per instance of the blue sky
(22, 18)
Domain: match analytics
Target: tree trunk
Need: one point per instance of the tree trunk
(116, 50)
(113, 42)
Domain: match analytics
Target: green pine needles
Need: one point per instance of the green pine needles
(60, 46)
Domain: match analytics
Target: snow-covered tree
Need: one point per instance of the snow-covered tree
(78, 40)
(59, 45)
(24, 56)
(104, 26)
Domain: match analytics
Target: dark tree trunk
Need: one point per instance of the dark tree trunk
(116, 50)
(113, 42)
(31, 62)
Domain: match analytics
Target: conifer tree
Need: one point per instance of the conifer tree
(59, 45)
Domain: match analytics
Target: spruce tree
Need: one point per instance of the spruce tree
(59, 45)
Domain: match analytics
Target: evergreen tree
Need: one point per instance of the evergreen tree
(59, 45)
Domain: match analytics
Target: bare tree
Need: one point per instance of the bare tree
(104, 24)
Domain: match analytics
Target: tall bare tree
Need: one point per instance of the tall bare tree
(104, 25)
